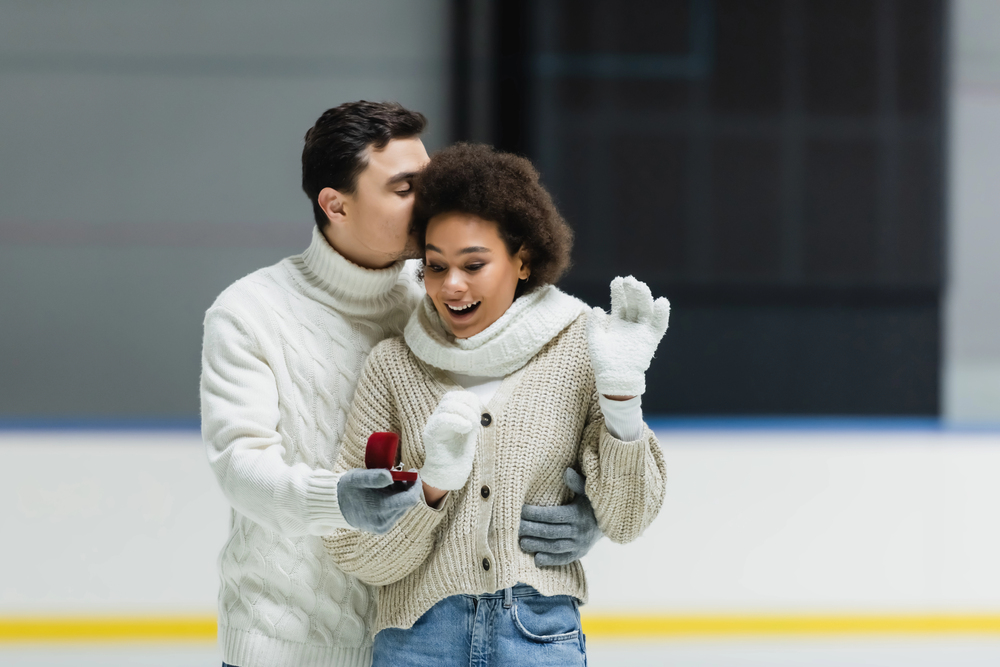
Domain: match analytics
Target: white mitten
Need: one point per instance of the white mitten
(450, 441)
(622, 344)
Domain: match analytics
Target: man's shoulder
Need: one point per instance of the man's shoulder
(262, 287)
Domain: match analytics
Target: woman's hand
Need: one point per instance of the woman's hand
(450, 443)
(622, 344)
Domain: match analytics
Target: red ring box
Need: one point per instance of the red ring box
(381, 453)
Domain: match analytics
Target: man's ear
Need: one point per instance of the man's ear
(334, 204)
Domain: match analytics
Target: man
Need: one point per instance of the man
(282, 351)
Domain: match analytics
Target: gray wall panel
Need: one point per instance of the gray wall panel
(94, 148)
(149, 156)
(972, 317)
(110, 332)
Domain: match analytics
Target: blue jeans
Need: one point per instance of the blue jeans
(510, 628)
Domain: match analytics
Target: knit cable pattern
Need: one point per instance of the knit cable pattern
(283, 350)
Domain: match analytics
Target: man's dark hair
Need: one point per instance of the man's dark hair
(502, 188)
(334, 152)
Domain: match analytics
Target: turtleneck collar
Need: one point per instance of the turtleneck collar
(356, 289)
(502, 348)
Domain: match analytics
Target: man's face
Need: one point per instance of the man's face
(376, 226)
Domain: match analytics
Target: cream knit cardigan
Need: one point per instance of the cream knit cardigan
(544, 417)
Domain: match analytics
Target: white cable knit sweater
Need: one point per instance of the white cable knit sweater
(283, 348)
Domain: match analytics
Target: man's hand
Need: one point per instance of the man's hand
(563, 534)
(371, 501)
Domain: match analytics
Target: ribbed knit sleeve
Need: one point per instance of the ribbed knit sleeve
(239, 415)
(380, 559)
(383, 559)
(626, 481)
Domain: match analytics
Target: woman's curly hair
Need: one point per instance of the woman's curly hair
(502, 188)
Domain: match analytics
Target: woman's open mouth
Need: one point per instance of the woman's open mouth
(462, 311)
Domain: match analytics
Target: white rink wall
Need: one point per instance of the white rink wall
(108, 523)
(787, 521)
(815, 521)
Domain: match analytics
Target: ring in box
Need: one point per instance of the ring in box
(381, 452)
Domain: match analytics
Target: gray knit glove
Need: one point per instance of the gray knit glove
(450, 440)
(622, 344)
(563, 534)
(371, 501)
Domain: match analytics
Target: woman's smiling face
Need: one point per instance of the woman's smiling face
(468, 273)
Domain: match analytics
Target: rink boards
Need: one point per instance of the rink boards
(768, 528)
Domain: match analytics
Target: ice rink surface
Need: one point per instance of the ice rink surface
(964, 652)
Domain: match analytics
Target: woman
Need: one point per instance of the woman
(499, 383)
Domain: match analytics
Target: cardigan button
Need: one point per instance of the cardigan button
(485, 492)
(486, 564)
(486, 420)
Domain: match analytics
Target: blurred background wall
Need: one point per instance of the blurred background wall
(776, 168)
(972, 345)
(150, 157)
(810, 182)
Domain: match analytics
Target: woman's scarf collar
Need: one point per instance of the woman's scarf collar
(502, 348)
